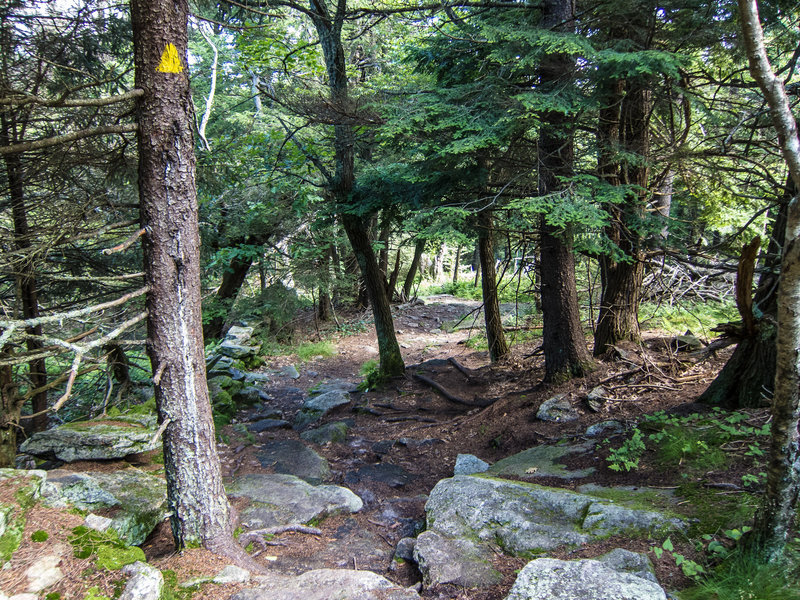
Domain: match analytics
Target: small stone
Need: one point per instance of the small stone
(290, 371)
(405, 549)
(596, 398)
(266, 424)
(146, 582)
(232, 574)
(96, 522)
(557, 409)
(236, 351)
(43, 573)
(250, 395)
(23, 597)
(332, 432)
(256, 377)
(467, 464)
(604, 427)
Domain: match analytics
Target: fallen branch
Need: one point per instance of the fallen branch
(464, 370)
(410, 418)
(442, 390)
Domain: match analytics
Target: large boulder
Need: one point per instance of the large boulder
(328, 584)
(317, 407)
(134, 500)
(98, 439)
(552, 579)
(284, 500)
(524, 517)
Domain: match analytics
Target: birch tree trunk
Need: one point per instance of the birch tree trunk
(168, 204)
(774, 519)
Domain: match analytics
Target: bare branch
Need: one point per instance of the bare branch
(67, 137)
(24, 99)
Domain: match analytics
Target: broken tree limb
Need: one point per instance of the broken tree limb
(464, 370)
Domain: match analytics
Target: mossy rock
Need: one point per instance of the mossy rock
(112, 559)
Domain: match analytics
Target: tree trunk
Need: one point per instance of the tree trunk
(199, 508)
(25, 271)
(457, 264)
(563, 343)
(391, 286)
(476, 264)
(233, 278)
(419, 248)
(391, 361)
(10, 406)
(498, 348)
(618, 317)
(776, 516)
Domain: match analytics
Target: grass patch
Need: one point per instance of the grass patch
(743, 576)
(310, 350)
(697, 317)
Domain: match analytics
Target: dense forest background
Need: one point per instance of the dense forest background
(611, 164)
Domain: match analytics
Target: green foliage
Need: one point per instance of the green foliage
(11, 539)
(677, 318)
(369, 367)
(309, 350)
(40, 535)
(626, 457)
(744, 575)
(373, 378)
(689, 567)
(93, 593)
(112, 558)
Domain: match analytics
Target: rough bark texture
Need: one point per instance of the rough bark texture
(388, 348)
(621, 276)
(774, 519)
(329, 29)
(199, 507)
(10, 406)
(498, 348)
(564, 346)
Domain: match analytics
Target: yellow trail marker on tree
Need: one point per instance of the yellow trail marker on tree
(170, 61)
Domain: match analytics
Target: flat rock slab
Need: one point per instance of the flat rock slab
(331, 432)
(386, 473)
(137, 500)
(335, 385)
(294, 458)
(328, 584)
(327, 401)
(94, 440)
(350, 541)
(552, 579)
(267, 424)
(454, 560)
(286, 500)
(542, 461)
(524, 517)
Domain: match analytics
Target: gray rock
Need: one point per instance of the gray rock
(454, 560)
(290, 371)
(328, 584)
(250, 395)
(688, 342)
(236, 351)
(145, 583)
(467, 464)
(391, 475)
(232, 574)
(524, 517)
(138, 500)
(267, 424)
(332, 432)
(285, 499)
(256, 378)
(43, 573)
(335, 385)
(239, 334)
(96, 522)
(626, 561)
(294, 458)
(557, 409)
(604, 428)
(93, 440)
(306, 417)
(220, 364)
(327, 401)
(405, 548)
(542, 461)
(551, 579)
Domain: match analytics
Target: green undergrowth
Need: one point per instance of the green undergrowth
(309, 350)
(699, 317)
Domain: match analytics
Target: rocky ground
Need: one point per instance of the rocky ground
(349, 482)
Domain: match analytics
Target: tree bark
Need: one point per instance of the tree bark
(618, 317)
(419, 248)
(233, 278)
(775, 517)
(564, 346)
(199, 508)
(498, 348)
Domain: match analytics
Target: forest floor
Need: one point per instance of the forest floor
(410, 425)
